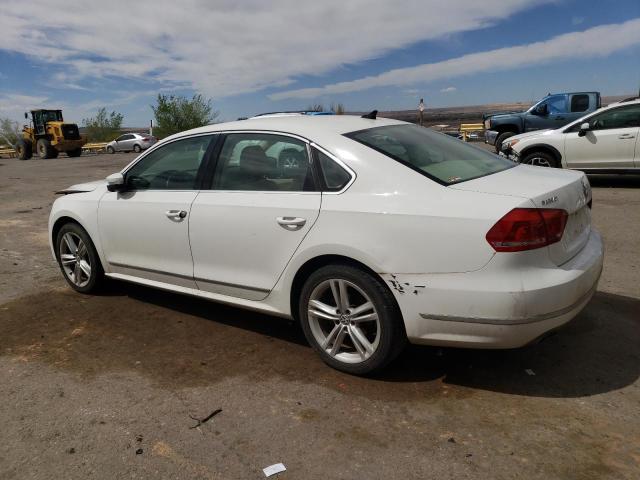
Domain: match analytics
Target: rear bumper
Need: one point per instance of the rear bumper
(490, 137)
(506, 304)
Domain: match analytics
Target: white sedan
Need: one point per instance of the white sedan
(370, 232)
(605, 141)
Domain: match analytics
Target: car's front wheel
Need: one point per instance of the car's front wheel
(111, 150)
(78, 258)
(540, 159)
(351, 319)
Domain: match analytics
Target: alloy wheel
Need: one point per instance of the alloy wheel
(344, 320)
(75, 260)
(539, 162)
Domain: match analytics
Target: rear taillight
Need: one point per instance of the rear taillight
(527, 229)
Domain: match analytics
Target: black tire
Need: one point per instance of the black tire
(111, 150)
(501, 138)
(54, 154)
(96, 279)
(24, 149)
(44, 149)
(392, 335)
(541, 159)
(74, 153)
(137, 149)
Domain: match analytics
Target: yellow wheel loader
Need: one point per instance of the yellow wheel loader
(48, 135)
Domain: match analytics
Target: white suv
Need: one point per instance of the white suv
(605, 141)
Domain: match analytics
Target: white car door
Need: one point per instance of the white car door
(248, 226)
(144, 229)
(609, 142)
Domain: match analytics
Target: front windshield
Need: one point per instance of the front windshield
(52, 116)
(437, 156)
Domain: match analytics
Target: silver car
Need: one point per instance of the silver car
(131, 142)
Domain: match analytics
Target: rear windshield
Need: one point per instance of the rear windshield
(437, 156)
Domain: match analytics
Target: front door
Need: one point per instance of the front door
(262, 203)
(145, 229)
(609, 142)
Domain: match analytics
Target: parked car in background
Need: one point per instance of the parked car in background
(553, 111)
(131, 142)
(605, 141)
(370, 232)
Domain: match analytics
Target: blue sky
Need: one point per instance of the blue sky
(252, 56)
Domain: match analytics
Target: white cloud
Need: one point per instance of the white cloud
(448, 90)
(594, 42)
(225, 47)
(577, 20)
(13, 105)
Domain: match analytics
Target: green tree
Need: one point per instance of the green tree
(10, 132)
(104, 127)
(176, 114)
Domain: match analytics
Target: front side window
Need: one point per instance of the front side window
(439, 157)
(557, 104)
(622, 117)
(263, 162)
(173, 166)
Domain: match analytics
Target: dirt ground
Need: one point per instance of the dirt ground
(104, 386)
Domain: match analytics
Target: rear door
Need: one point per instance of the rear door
(609, 143)
(262, 203)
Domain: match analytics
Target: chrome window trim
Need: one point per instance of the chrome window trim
(309, 144)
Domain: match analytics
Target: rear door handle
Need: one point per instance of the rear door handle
(625, 136)
(175, 214)
(291, 223)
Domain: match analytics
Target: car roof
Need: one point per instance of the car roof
(306, 126)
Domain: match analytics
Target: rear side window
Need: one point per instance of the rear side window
(263, 162)
(334, 177)
(579, 103)
(444, 159)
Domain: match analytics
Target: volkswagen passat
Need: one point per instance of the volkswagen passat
(370, 232)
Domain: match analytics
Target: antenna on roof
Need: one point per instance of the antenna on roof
(371, 115)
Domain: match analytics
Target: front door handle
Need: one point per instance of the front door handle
(176, 215)
(625, 136)
(291, 223)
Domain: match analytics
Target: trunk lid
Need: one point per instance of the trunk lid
(546, 188)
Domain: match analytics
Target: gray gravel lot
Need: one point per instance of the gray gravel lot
(104, 386)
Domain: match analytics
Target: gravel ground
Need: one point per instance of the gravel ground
(104, 386)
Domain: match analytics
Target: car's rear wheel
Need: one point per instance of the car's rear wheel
(75, 152)
(137, 149)
(501, 138)
(540, 159)
(78, 258)
(351, 319)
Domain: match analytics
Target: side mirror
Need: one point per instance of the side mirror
(584, 128)
(115, 182)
